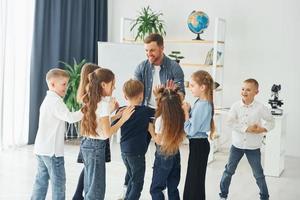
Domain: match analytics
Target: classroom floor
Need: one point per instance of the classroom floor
(18, 168)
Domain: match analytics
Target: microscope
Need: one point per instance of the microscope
(274, 101)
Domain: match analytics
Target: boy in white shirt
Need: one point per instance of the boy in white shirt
(49, 142)
(250, 120)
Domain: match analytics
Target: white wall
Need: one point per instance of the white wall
(261, 42)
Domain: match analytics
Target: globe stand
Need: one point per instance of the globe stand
(198, 37)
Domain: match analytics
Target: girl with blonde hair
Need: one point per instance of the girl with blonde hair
(198, 124)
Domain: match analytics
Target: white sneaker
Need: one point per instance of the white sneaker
(123, 193)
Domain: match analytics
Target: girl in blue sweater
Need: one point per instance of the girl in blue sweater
(198, 123)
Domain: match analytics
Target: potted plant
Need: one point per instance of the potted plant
(70, 98)
(148, 22)
(176, 55)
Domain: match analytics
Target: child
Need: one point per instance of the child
(49, 142)
(134, 138)
(85, 71)
(169, 84)
(96, 129)
(168, 135)
(198, 122)
(249, 120)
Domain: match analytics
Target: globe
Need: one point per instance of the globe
(197, 22)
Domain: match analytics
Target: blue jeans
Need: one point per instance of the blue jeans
(254, 159)
(93, 153)
(166, 173)
(50, 168)
(135, 165)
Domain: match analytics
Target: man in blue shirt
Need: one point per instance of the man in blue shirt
(157, 69)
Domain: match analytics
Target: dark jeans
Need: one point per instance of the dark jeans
(126, 179)
(166, 173)
(135, 165)
(254, 159)
(194, 188)
(79, 189)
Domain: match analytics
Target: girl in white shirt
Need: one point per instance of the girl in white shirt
(168, 135)
(96, 128)
(85, 71)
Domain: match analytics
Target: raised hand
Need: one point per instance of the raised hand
(171, 85)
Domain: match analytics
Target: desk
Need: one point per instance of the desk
(275, 148)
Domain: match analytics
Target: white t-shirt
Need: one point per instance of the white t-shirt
(102, 110)
(158, 125)
(155, 82)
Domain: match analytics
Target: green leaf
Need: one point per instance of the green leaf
(148, 22)
(71, 94)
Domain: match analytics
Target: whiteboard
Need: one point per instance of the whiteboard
(122, 59)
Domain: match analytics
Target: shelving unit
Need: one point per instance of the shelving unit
(197, 65)
(126, 40)
(192, 51)
(195, 53)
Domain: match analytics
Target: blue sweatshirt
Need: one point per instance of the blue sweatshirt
(199, 123)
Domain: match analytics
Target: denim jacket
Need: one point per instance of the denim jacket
(170, 70)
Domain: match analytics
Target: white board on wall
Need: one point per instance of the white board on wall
(122, 59)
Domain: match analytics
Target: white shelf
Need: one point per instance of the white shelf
(197, 65)
(177, 41)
